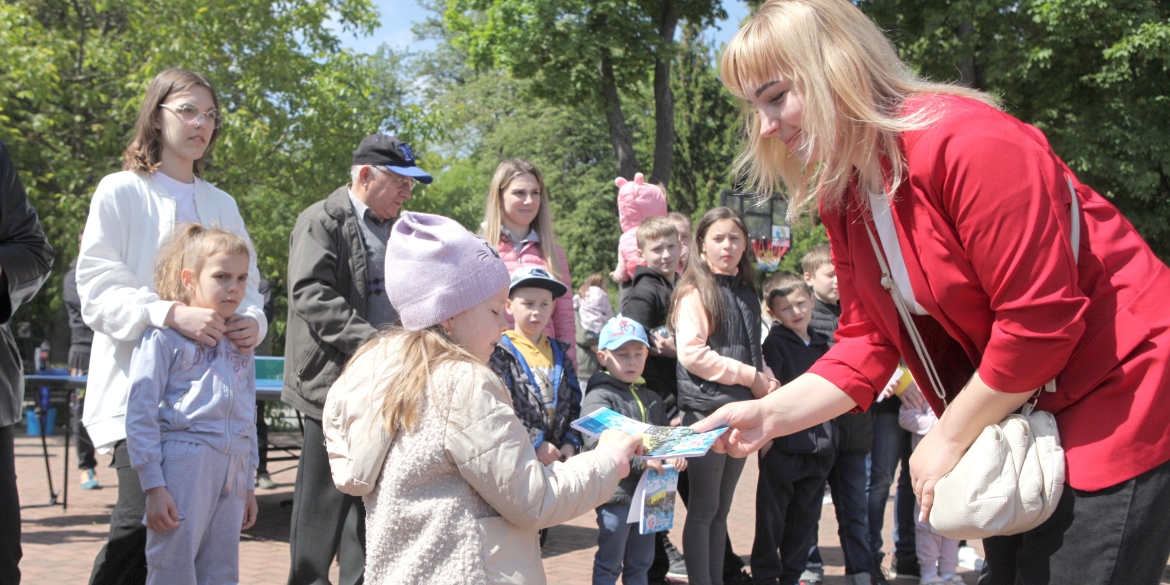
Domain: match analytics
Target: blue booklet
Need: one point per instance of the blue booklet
(659, 442)
(653, 501)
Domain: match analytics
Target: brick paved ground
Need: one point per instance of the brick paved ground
(59, 545)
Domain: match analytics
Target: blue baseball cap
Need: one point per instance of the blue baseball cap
(620, 331)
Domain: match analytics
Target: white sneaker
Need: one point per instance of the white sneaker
(969, 559)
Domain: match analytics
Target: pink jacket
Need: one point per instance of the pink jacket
(636, 201)
(562, 325)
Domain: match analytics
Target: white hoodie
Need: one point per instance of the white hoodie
(129, 217)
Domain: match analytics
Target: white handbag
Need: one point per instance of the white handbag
(1011, 478)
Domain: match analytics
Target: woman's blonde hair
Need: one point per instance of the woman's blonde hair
(507, 172)
(699, 277)
(422, 352)
(854, 85)
(189, 246)
(144, 154)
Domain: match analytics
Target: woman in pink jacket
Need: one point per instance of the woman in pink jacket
(518, 223)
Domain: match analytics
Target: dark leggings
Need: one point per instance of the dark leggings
(1119, 535)
(85, 452)
(712, 486)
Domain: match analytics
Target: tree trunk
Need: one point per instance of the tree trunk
(664, 95)
(619, 134)
(970, 71)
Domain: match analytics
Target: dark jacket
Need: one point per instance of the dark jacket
(327, 280)
(586, 341)
(605, 391)
(509, 365)
(824, 319)
(788, 357)
(648, 303)
(738, 338)
(80, 335)
(25, 260)
(854, 430)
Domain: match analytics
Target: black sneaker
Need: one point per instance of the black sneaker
(740, 577)
(906, 569)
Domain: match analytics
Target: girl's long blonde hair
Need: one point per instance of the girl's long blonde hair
(189, 246)
(421, 353)
(854, 86)
(505, 173)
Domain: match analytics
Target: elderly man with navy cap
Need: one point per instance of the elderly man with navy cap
(336, 301)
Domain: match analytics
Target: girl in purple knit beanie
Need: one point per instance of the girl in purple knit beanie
(420, 427)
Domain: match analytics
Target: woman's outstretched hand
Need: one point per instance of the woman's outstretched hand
(751, 423)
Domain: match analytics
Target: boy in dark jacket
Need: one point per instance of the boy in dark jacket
(794, 467)
(619, 386)
(848, 479)
(648, 302)
(822, 277)
(536, 368)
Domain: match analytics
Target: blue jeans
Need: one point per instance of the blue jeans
(621, 549)
(891, 444)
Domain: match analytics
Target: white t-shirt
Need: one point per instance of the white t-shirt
(184, 194)
(883, 219)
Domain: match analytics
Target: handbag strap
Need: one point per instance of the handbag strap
(891, 286)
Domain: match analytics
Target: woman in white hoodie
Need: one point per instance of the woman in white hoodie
(130, 215)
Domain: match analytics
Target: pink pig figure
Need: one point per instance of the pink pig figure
(636, 200)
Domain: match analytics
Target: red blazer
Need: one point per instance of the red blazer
(983, 218)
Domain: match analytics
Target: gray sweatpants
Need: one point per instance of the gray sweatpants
(210, 490)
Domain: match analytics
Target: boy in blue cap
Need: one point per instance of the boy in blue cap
(619, 386)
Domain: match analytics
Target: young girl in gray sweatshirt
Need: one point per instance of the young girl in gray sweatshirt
(190, 419)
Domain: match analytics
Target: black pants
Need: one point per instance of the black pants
(1116, 536)
(788, 509)
(85, 451)
(261, 438)
(10, 551)
(847, 482)
(122, 561)
(325, 522)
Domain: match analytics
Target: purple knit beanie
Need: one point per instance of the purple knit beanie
(436, 269)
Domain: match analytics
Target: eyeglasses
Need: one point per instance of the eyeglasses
(407, 183)
(190, 113)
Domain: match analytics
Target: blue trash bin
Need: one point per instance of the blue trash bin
(32, 422)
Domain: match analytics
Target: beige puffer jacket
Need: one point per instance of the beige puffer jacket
(461, 498)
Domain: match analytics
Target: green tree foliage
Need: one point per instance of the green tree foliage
(491, 114)
(587, 53)
(296, 104)
(1093, 75)
(708, 125)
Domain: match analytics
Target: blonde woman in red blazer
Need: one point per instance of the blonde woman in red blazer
(979, 212)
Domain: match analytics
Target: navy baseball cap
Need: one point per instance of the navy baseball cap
(390, 153)
(620, 331)
(537, 277)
